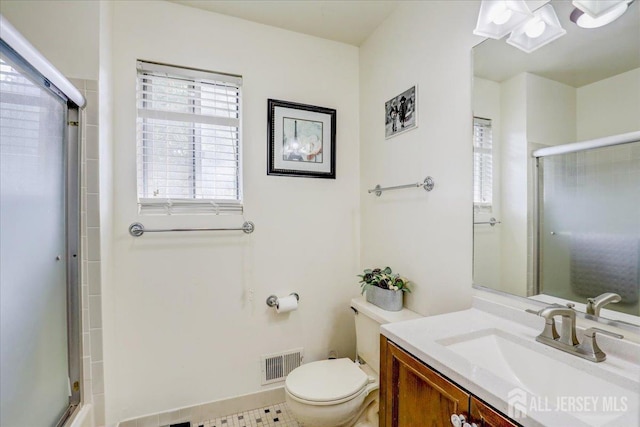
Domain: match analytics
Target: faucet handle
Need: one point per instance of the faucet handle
(550, 330)
(589, 349)
(591, 333)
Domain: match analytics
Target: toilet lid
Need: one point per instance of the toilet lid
(326, 380)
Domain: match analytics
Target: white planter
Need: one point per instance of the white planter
(386, 299)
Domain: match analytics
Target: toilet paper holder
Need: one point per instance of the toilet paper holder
(272, 301)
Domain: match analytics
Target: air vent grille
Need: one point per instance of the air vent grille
(276, 367)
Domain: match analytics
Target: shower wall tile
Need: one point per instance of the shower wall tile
(91, 85)
(98, 408)
(88, 395)
(96, 345)
(93, 277)
(95, 312)
(93, 211)
(83, 202)
(86, 367)
(97, 378)
(93, 370)
(78, 83)
(86, 344)
(91, 149)
(93, 174)
(85, 295)
(85, 326)
(93, 243)
(91, 110)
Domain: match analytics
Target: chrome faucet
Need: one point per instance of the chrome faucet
(567, 340)
(589, 349)
(568, 331)
(595, 304)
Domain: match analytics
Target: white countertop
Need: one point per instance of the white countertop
(428, 339)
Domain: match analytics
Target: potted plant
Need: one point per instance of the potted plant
(384, 288)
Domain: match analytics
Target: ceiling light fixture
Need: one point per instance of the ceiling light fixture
(586, 20)
(597, 8)
(540, 30)
(497, 18)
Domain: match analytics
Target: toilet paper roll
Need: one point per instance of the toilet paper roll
(287, 304)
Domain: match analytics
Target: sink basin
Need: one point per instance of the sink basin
(547, 378)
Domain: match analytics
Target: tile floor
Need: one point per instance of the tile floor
(272, 416)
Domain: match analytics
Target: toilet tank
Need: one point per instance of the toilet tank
(368, 319)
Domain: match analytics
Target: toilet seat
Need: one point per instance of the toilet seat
(327, 382)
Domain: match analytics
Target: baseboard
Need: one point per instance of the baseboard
(209, 410)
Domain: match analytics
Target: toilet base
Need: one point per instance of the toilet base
(369, 416)
(325, 416)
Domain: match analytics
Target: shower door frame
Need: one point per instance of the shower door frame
(71, 169)
(74, 327)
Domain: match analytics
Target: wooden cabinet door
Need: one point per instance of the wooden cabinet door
(413, 395)
(485, 416)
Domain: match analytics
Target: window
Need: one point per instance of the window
(482, 165)
(188, 140)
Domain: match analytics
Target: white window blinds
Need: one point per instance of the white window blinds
(482, 164)
(188, 140)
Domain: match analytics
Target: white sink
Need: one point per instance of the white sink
(545, 379)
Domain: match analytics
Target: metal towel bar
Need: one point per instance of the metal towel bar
(492, 221)
(137, 229)
(427, 184)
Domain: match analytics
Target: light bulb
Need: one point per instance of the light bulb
(535, 28)
(501, 14)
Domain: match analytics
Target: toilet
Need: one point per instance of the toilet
(340, 392)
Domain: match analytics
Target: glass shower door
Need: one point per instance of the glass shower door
(590, 225)
(34, 371)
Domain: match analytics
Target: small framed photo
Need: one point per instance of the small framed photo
(302, 140)
(401, 113)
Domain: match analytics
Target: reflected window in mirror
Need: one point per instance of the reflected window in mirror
(482, 165)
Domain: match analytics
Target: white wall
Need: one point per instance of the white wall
(513, 192)
(551, 111)
(609, 107)
(182, 325)
(425, 236)
(66, 32)
(487, 251)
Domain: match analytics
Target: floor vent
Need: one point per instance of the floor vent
(276, 367)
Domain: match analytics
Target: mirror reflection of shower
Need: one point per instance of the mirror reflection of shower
(589, 222)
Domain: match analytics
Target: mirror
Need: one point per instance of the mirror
(565, 228)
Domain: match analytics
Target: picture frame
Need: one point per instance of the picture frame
(401, 113)
(301, 140)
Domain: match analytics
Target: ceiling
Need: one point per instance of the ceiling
(348, 22)
(578, 58)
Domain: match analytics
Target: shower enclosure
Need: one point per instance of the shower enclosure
(40, 372)
(589, 222)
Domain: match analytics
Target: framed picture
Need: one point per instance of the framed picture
(401, 113)
(302, 140)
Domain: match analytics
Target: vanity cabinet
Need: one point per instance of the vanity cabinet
(414, 395)
(485, 416)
